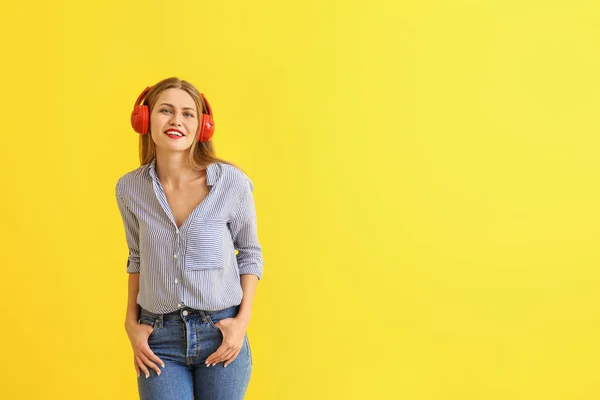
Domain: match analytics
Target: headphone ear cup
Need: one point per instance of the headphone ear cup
(140, 120)
(207, 124)
(140, 116)
(207, 128)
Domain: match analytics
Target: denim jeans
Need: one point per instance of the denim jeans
(183, 340)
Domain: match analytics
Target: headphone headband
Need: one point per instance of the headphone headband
(142, 96)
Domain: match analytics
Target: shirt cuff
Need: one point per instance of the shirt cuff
(133, 267)
(252, 270)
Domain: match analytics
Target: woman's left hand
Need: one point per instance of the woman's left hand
(233, 331)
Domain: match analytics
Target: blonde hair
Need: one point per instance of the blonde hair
(200, 154)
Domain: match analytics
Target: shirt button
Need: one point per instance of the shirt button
(179, 305)
(185, 313)
(176, 280)
(175, 256)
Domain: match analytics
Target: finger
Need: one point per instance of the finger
(212, 361)
(226, 355)
(221, 355)
(149, 363)
(150, 354)
(142, 366)
(137, 369)
(232, 358)
(214, 356)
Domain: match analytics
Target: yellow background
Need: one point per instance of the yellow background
(426, 182)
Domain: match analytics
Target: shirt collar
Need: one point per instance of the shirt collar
(211, 173)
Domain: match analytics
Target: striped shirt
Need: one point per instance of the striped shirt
(194, 265)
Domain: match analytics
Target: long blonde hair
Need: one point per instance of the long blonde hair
(200, 154)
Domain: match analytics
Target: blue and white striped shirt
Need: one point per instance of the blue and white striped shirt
(194, 265)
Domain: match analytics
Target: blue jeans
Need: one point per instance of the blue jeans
(183, 340)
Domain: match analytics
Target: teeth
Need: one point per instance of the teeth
(174, 133)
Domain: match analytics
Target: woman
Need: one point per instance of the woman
(185, 212)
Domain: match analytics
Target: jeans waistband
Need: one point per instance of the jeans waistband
(187, 312)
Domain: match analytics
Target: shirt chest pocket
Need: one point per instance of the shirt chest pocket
(205, 247)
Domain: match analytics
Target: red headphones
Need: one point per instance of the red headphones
(140, 119)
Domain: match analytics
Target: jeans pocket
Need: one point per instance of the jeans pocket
(211, 323)
(149, 321)
(205, 246)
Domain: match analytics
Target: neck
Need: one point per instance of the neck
(173, 170)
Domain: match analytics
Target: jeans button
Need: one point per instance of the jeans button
(185, 313)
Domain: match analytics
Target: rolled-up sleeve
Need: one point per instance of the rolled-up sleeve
(244, 233)
(131, 233)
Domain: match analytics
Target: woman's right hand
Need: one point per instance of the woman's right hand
(143, 356)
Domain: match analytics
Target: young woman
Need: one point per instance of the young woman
(185, 212)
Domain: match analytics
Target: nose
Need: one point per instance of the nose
(175, 119)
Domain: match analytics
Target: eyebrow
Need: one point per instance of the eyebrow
(171, 105)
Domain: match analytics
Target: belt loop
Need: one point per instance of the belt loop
(159, 320)
(203, 316)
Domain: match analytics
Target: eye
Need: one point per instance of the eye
(164, 109)
(190, 114)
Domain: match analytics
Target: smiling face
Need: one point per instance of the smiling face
(174, 120)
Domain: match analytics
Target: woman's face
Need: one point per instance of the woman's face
(175, 112)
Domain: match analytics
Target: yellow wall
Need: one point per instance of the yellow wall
(426, 178)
